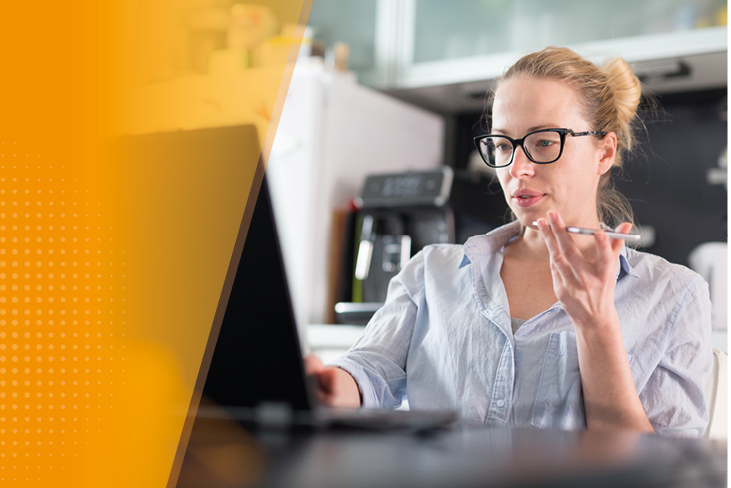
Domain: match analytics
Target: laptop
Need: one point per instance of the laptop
(256, 371)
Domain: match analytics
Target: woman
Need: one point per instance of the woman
(531, 325)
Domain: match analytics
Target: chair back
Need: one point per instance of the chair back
(717, 397)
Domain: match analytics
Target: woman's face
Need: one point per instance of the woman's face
(569, 185)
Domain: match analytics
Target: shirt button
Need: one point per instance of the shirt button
(500, 403)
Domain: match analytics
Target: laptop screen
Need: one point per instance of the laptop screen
(257, 356)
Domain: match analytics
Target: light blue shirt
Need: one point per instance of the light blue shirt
(443, 340)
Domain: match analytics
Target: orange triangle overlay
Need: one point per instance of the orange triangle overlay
(240, 240)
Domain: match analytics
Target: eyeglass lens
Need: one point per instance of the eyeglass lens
(541, 147)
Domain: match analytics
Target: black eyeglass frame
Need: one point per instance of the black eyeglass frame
(519, 142)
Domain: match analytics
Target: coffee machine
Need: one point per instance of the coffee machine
(397, 215)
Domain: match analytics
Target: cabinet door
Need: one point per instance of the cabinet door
(464, 28)
(466, 40)
(367, 26)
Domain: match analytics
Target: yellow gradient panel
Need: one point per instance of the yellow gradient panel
(111, 267)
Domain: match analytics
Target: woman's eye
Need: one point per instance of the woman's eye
(545, 143)
(503, 147)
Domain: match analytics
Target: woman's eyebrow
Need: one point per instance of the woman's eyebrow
(542, 126)
(498, 131)
(530, 129)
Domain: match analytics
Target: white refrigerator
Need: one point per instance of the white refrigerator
(332, 133)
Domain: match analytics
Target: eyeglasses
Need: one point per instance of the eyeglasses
(543, 146)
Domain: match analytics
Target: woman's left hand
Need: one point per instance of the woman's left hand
(584, 284)
(585, 287)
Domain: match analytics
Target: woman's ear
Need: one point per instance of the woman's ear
(607, 153)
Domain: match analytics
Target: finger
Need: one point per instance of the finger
(548, 236)
(609, 249)
(313, 365)
(564, 275)
(618, 244)
(624, 228)
(566, 244)
(606, 256)
(323, 376)
(561, 270)
(575, 264)
(558, 282)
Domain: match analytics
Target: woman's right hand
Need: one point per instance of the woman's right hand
(335, 386)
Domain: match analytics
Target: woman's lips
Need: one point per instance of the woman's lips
(526, 198)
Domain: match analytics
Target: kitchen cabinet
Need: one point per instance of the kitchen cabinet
(367, 26)
(442, 55)
(466, 28)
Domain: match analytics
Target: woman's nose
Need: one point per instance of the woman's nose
(521, 166)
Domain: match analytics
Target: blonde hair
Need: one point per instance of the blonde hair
(609, 95)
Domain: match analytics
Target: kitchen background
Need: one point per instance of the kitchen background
(442, 56)
(678, 47)
(395, 86)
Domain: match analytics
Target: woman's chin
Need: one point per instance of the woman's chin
(527, 217)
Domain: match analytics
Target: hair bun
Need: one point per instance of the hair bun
(627, 92)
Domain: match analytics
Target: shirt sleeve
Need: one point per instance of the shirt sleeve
(377, 361)
(674, 396)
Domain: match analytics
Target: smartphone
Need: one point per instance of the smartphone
(591, 232)
(613, 235)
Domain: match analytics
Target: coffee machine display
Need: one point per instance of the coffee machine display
(398, 214)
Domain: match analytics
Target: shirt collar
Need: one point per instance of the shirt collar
(623, 266)
(490, 243)
(493, 241)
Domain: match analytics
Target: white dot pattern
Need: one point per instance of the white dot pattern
(61, 301)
